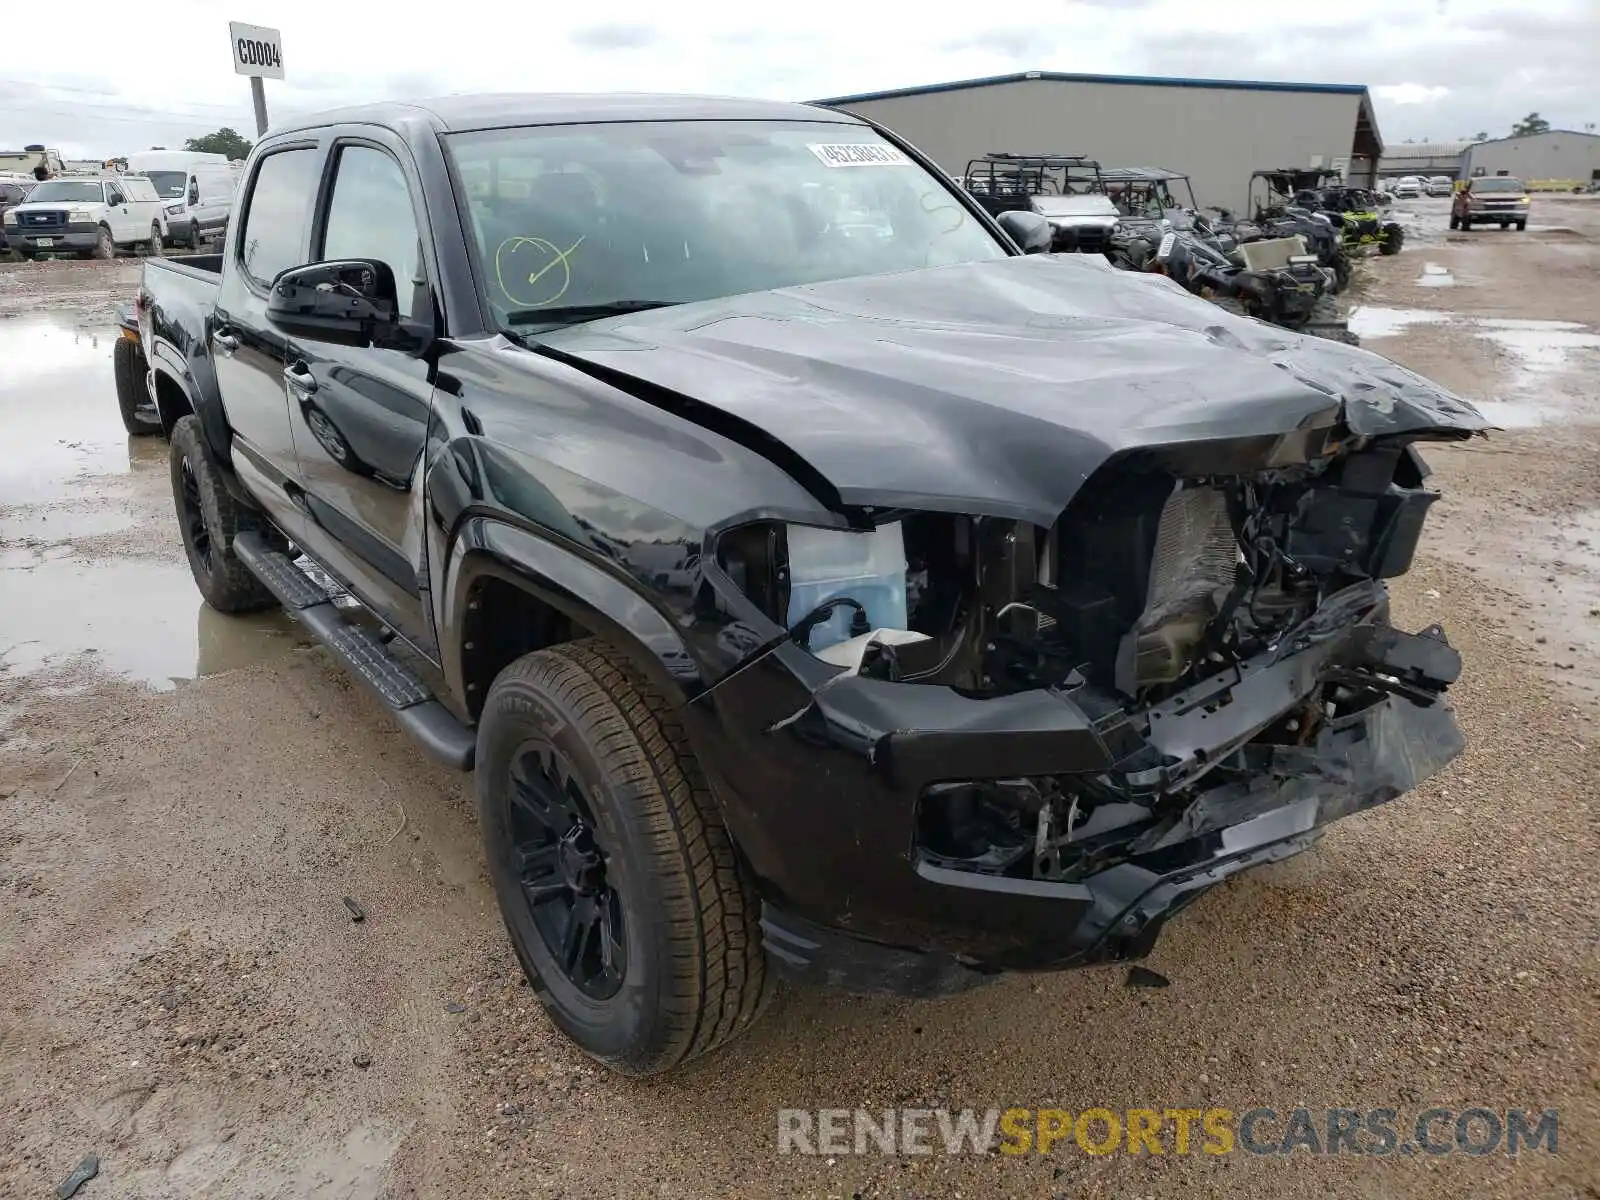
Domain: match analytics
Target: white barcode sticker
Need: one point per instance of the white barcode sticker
(858, 154)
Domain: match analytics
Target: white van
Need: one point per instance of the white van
(196, 190)
(87, 217)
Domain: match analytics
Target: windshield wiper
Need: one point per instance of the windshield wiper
(569, 313)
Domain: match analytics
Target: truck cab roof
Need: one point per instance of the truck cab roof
(512, 109)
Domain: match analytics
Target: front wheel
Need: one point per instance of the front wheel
(209, 518)
(104, 246)
(1521, 225)
(619, 886)
(1455, 221)
(1393, 238)
(154, 244)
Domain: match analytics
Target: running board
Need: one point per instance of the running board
(414, 705)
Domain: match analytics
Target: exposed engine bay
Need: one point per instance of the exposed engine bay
(1155, 604)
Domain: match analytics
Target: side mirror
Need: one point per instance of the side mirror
(115, 198)
(1028, 230)
(350, 302)
(194, 192)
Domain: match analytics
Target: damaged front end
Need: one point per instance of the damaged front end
(1033, 745)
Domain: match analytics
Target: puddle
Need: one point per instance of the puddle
(57, 408)
(1371, 321)
(1508, 414)
(1433, 275)
(139, 614)
(1541, 347)
(134, 617)
(54, 525)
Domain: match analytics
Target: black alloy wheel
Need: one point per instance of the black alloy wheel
(193, 517)
(563, 872)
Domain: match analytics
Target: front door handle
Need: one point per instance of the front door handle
(299, 377)
(225, 341)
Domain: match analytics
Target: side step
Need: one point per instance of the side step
(397, 685)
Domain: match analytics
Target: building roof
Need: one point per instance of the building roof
(1248, 85)
(1427, 149)
(1517, 137)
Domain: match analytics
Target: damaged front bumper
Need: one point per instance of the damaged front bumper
(824, 776)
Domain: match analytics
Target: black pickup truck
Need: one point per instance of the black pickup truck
(818, 581)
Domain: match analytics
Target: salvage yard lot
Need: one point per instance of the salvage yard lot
(187, 799)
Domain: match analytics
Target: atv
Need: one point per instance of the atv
(1353, 211)
(1274, 280)
(1065, 189)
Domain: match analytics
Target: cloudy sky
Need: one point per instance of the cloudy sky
(1439, 69)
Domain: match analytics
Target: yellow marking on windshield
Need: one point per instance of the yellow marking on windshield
(558, 258)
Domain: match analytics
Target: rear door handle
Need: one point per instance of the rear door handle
(299, 377)
(225, 341)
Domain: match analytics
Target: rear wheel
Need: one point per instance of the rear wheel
(1341, 271)
(134, 402)
(209, 518)
(104, 246)
(617, 881)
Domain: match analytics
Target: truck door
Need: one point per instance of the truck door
(117, 215)
(360, 414)
(249, 352)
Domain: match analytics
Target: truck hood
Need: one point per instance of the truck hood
(997, 388)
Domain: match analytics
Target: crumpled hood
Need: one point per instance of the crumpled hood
(998, 388)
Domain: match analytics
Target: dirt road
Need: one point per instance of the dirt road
(186, 799)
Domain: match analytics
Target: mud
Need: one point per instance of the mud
(183, 992)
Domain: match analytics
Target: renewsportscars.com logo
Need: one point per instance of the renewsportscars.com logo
(1380, 1132)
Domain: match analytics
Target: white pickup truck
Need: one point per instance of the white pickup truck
(87, 217)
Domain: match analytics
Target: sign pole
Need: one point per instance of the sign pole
(258, 96)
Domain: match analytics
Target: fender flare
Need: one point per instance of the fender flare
(592, 597)
(199, 392)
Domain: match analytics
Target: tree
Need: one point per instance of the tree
(1532, 123)
(224, 141)
(1481, 136)
(158, 147)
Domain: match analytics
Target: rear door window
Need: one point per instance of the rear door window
(278, 214)
(370, 214)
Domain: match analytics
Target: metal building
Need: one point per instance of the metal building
(1559, 154)
(1216, 130)
(1423, 158)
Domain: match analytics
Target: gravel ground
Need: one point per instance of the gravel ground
(185, 801)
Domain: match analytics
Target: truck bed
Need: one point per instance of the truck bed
(205, 267)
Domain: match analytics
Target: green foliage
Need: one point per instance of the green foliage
(224, 141)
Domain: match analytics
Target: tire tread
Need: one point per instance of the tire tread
(717, 980)
(131, 387)
(231, 587)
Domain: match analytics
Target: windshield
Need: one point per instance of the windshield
(169, 185)
(580, 217)
(65, 191)
(1497, 185)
